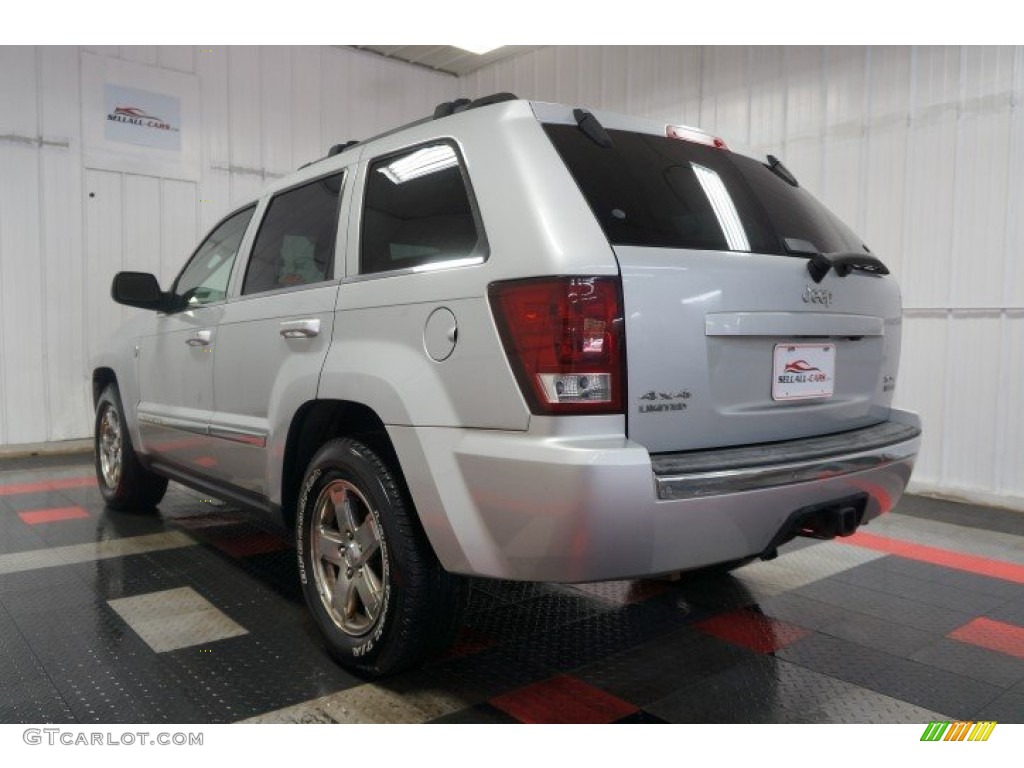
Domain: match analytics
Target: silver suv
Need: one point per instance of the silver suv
(514, 340)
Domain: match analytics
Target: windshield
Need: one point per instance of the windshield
(655, 191)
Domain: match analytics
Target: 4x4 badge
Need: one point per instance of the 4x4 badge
(673, 399)
(814, 295)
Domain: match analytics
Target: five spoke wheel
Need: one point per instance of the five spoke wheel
(350, 569)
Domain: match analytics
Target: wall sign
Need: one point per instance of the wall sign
(140, 119)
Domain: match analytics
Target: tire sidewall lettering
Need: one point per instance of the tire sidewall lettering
(365, 648)
(300, 523)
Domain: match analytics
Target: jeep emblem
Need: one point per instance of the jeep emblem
(813, 295)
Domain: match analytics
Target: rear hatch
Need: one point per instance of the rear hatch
(729, 339)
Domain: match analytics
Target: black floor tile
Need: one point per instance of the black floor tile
(999, 669)
(654, 670)
(474, 678)
(933, 688)
(33, 701)
(544, 613)
(888, 606)
(599, 635)
(802, 610)
(77, 459)
(927, 592)
(958, 513)
(883, 635)
(973, 582)
(480, 714)
(1007, 708)
(1011, 612)
(833, 656)
(244, 676)
(641, 718)
(761, 690)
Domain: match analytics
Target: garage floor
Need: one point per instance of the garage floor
(194, 615)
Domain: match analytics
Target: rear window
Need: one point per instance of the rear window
(655, 191)
(417, 211)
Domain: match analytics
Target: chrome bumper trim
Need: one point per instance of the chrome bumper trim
(700, 484)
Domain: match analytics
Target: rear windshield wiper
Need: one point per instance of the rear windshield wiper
(842, 263)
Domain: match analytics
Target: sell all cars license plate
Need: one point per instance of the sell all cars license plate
(802, 371)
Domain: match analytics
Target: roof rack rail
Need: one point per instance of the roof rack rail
(441, 110)
(446, 108)
(338, 148)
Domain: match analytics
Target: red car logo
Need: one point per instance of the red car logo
(799, 366)
(134, 112)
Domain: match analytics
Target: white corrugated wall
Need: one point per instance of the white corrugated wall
(265, 111)
(919, 149)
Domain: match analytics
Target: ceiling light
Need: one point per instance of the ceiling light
(420, 163)
(479, 50)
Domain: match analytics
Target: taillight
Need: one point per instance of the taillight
(565, 340)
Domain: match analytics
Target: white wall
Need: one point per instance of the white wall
(919, 149)
(265, 111)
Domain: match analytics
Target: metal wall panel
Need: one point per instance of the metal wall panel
(104, 254)
(921, 149)
(179, 226)
(1010, 410)
(276, 113)
(61, 201)
(65, 229)
(179, 57)
(307, 141)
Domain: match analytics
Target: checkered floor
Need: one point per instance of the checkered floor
(194, 615)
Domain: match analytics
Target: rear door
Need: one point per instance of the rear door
(273, 337)
(729, 340)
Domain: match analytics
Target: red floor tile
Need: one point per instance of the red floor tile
(52, 515)
(984, 566)
(991, 634)
(752, 630)
(47, 485)
(563, 699)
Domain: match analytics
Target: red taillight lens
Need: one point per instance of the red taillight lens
(565, 340)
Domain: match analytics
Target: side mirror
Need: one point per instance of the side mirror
(138, 289)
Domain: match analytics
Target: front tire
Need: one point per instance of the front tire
(123, 481)
(374, 586)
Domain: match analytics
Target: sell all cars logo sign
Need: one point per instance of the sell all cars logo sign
(144, 118)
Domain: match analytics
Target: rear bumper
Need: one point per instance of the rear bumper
(709, 473)
(574, 509)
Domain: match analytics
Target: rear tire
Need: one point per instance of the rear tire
(370, 578)
(123, 481)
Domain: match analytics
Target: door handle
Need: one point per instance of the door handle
(300, 329)
(199, 339)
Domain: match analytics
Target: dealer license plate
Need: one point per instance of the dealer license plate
(802, 371)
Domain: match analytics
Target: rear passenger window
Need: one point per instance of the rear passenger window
(416, 211)
(295, 244)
